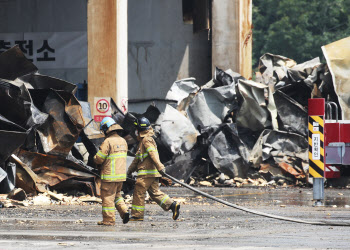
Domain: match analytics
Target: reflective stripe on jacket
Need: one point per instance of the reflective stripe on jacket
(112, 158)
(146, 161)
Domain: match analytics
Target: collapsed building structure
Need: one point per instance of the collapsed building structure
(229, 128)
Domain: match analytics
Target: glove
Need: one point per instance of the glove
(164, 181)
(162, 172)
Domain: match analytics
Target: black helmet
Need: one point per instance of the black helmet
(142, 124)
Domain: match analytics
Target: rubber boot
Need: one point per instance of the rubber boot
(136, 219)
(101, 223)
(126, 218)
(175, 207)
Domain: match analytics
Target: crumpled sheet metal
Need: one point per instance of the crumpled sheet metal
(254, 113)
(182, 166)
(21, 111)
(337, 55)
(64, 124)
(293, 116)
(13, 64)
(37, 162)
(181, 89)
(26, 178)
(288, 168)
(7, 177)
(272, 143)
(3, 174)
(12, 136)
(273, 68)
(177, 131)
(295, 80)
(306, 72)
(210, 106)
(39, 81)
(85, 185)
(227, 152)
(223, 78)
(10, 141)
(54, 171)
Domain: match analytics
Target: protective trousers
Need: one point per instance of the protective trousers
(150, 184)
(111, 199)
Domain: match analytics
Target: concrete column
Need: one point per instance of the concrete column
(232, 36)
(107, 51)
(122, 54)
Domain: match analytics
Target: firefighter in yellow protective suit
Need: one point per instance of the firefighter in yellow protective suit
(149, 170)
(112, 158)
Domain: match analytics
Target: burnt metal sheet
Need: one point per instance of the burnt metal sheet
(7, 178)
(91, 136)
(273, 68)
(10, 141)
(293, 116)
(227, 152)
(337, 55)
(61, 169)
(223, 78)
(306, 72)
(273, 143)
(298, 91)
(12, 136)
(273, 172)
(13, 64)
(71, 186)
(55, 171)
(39, 81)
(36, 161)
(17, 106)
(212, 105)
(3, 173)
(26, 178)
(253, 113)
(181, 89)
(64, 124)
(52, 177)
(182, 166)
(177, 131)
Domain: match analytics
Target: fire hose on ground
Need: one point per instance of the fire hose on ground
(320, 223)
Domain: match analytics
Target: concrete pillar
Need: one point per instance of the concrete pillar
(232, 36)
(122, 54)
(107, 51)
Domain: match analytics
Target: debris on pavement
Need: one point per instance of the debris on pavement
(40, 122)
(229, 132)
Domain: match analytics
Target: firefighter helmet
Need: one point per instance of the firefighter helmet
(142, 124)
(106, 123)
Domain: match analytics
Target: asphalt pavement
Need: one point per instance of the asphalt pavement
(203, 224)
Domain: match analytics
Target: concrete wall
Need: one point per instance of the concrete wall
(163, 49)
(17, 16)
(232, 36)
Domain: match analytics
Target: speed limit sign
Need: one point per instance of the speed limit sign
(102, 108)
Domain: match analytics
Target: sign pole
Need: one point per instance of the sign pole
(316, 112)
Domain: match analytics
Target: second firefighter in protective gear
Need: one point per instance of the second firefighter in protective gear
(112, 158)
(149, 170)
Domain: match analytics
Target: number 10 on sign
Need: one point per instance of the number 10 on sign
(102, 108)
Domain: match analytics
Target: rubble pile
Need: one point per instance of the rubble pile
(230, 132)
(252, 132)
(40, 122)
